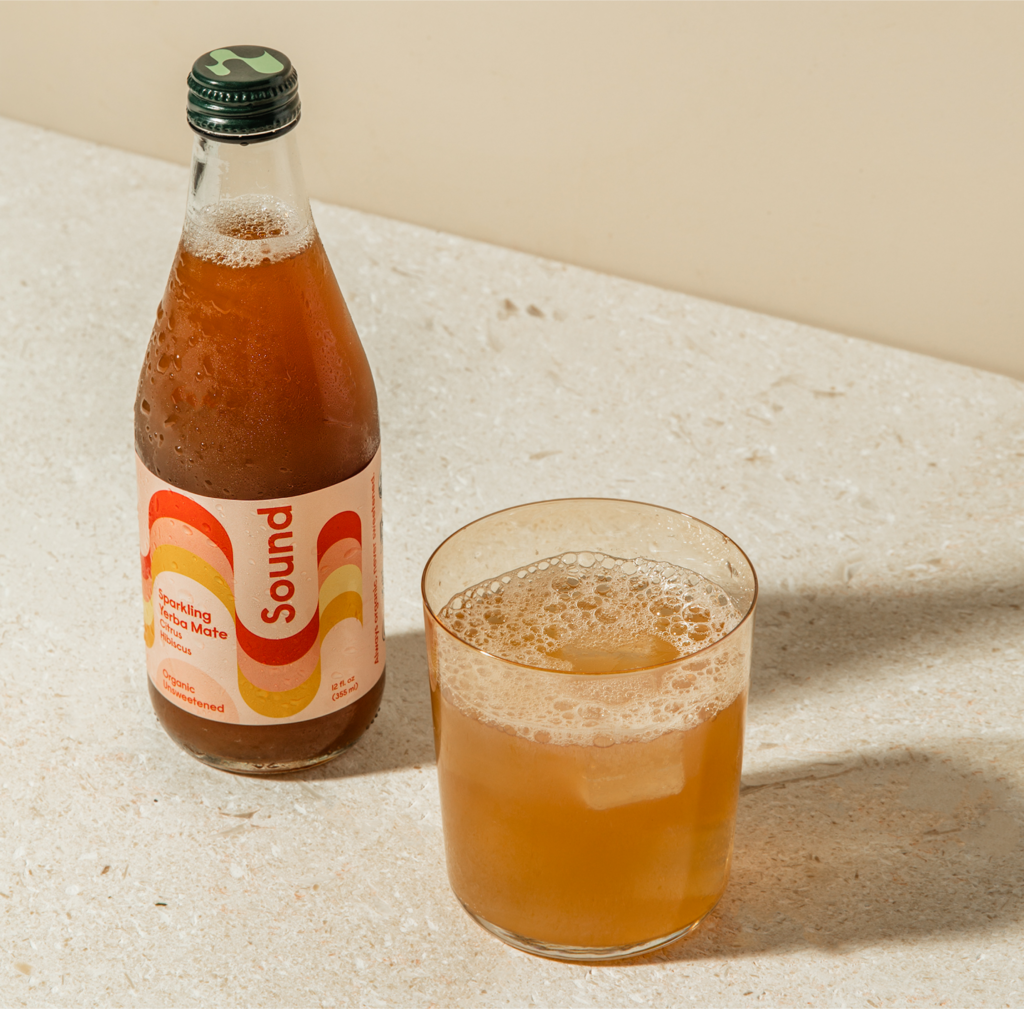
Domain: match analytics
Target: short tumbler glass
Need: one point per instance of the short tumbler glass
(588, 807)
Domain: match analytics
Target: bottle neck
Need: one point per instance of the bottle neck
(246, 193)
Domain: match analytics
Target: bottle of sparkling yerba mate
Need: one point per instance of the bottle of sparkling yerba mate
(258, 450)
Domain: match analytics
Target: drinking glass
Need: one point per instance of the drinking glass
(588, 807)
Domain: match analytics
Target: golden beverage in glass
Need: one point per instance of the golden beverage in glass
(589, 662)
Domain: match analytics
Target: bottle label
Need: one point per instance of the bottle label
(263, 612)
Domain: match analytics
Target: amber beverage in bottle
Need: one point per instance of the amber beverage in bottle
(258, 451)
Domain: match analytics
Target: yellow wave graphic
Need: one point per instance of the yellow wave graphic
(346, 578)
(279, 703)
(171, 558)
(148, 622)
(348, 604)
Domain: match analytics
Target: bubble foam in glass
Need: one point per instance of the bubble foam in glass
(589, 662)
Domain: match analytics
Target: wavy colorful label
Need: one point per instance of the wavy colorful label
(262, 612)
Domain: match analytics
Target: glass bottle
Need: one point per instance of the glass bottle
(258, 450)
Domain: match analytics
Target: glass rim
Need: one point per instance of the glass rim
(590, 676)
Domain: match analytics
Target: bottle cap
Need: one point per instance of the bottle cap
(243, 94)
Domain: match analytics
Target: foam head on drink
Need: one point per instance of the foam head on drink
(590, 810)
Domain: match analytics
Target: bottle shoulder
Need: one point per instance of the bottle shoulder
(255, 383)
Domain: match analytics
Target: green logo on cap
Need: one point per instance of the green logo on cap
(265, 64)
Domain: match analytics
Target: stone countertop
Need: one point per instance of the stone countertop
(879, 854)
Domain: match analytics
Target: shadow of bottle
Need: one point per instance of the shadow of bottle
(402, 734)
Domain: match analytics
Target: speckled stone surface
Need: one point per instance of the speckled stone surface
(879, 855)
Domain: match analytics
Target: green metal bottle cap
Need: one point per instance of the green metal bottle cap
(243, 95)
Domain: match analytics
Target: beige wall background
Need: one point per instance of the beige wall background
(854, 165)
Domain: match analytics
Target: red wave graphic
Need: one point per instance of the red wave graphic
(177, 506)
(266, 676)
(344, 525)
(278, 651)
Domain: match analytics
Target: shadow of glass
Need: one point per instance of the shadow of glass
(402, 734)
(807, 641)
(897, 845)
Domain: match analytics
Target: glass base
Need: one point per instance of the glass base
(255, 769)
(582, 954)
